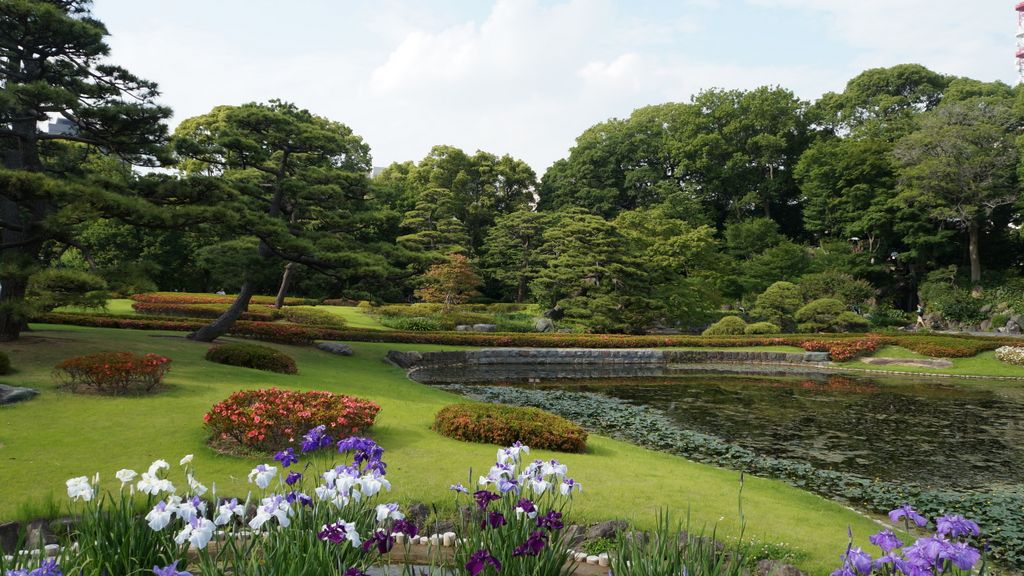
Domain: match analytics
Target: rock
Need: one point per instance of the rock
(986, 325)
(815, 356)
(572, 535)
(608, 529)
(1012, 327)
(9, 537)
(463, 328)
(564, 331)
(544, 325)
(38, 535)
(418, 514)
(986, 309)
(402, 359)
(335, 348)
(12, 394)
(555, 313)
(484, 327)
(775, 568)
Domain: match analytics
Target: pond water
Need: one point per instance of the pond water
(957, 434)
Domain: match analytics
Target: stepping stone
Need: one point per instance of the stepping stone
(335, 348)
(12, 394)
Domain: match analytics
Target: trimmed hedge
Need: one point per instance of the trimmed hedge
(728, 325)
(952, 346)
(198, 298)
(503, 424)
(5, 363)
(308, 316)
(252, 356)
(762, 328)
(202, 311)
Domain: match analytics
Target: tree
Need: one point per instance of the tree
(450, 283)
(778, 303)
(511, 251)
(300, 192)
(960, 166)
(53, 65)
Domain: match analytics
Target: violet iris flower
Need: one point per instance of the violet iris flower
(316, 439)
(381, 540)
(909, 513)
(956, 526)
(484, 498)
(49, 567)
(963, 556)
(458, 488)
(355, 572)
(494, 520)
(552, 520)
(171, 570)
(406, 527)
(286, 457)
(533, 545)
(886, 540)
(479, 561)
(292, 478)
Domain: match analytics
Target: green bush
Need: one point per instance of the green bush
(728, 325)
(53, 288)
(453, 319)
(514, 322)
(833, 284)
(819, 315)
(762, 328)
(503, 425)
(1000, 320)
(413, 324)
(5, 363)
(955, 304)
(252, 356)
(312, 317)
(408, 311)
(852, 322)
(778, 303)
(886, 316)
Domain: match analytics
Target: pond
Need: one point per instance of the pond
(954, 434)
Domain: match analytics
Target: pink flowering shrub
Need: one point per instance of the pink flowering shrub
(113, 372)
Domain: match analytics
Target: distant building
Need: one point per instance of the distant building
(61, 126)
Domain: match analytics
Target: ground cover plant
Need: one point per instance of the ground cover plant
(504, 424)
(1009, 354)
(252, 356)
(81, 429)
(272, 419)
(113, 372)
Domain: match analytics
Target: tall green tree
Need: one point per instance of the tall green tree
(513, 251)
(960, 165)
(53, 65)
(300, 191)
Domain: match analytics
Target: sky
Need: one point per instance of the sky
(526, 77)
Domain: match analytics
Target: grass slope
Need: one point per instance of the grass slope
(59, 435)
(984, 364)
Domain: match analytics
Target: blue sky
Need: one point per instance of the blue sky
(525, 77)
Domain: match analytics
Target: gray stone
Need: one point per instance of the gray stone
(986, 309)
(12, 394)
(404, 360)
(776, 568)
(484, 327)
(335, 348)
(986, 325)
(544, 325)
(10, 535)
(1012, 327)
(815, 356)
(463, 328)
(564, 330)
(572, 535)
(608, 529)
(556, 313)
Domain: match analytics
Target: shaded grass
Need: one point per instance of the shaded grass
(354, 317)
(114, 306)
(59, 435)
(983, 364)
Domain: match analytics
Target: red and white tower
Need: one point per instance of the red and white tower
(1020, 40)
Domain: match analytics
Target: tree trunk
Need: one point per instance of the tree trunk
(12, 301)
(286, 279)
(972, 235)
(221, 325)
(521, 289)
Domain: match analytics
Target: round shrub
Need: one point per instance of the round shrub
(252, 356)
(113, 372)
(308, 316)
(778, 302)
(762, 328)
(5, 363)
(852, 322)
(503, 424)
(1011, 355)
(726, 326)
(819, 315)
(272, 419)
(414, 324)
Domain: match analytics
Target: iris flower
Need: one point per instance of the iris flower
(79, 488)
(125, 475)
(262, 475)
(479, 560)
(227, 510)
(385, 511)
(909, 513)
(160, 516)
(171, 570)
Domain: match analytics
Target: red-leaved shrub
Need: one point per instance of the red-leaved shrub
(113, 372)
(844, 349)
(272, 419)
(503, 424)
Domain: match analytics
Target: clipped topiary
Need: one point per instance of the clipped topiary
(309, 316)
(729, 325)
(503, 424)
(762, 328)
(252, 356)
(5, 363)
(819, 315)
(852, 322)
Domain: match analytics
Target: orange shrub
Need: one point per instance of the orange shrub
(113, 372)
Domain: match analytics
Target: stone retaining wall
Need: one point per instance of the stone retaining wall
(582, 356)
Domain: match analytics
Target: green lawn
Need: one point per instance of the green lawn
(984, 364)
(59, 435)
(354, 317)
(114, 306)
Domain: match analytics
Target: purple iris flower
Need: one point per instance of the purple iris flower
(909, 513)
(315, 439)
(405, 527)
(526, 505)
(286, 457)
(956, 526)
(886, 540)
(533, 545)
(552, 520)
(458, 488)
(333, 533)
(927, 552)
(479, 561)
(292, 478)
(962, 555)
(484, 498)
(354, 572)
(381, 540)
(494, 520)
(171, 570)
(844, 571)
(859, 561)
(303, 499)
(49, 567)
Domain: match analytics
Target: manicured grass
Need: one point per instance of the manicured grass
(984, 364)
(354, 317)
(59, 435)
(796, 349)
(114, 306)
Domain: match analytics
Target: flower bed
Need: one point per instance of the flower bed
(1011, 355)
(252, 356)
(505, 424)
(845, 349)
(271, 419)
(202, 311)
(113, 372)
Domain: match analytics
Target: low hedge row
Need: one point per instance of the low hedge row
(198, 298)
(952, 346)
(503, 424)
(309, 316)
(202, 311)
(252, 356)
(844, 349)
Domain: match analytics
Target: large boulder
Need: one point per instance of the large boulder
(544, 325)
(12, 394)
(464, 328)
(335, 348)
(485, 327)
(404, 359)
(608, 529)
